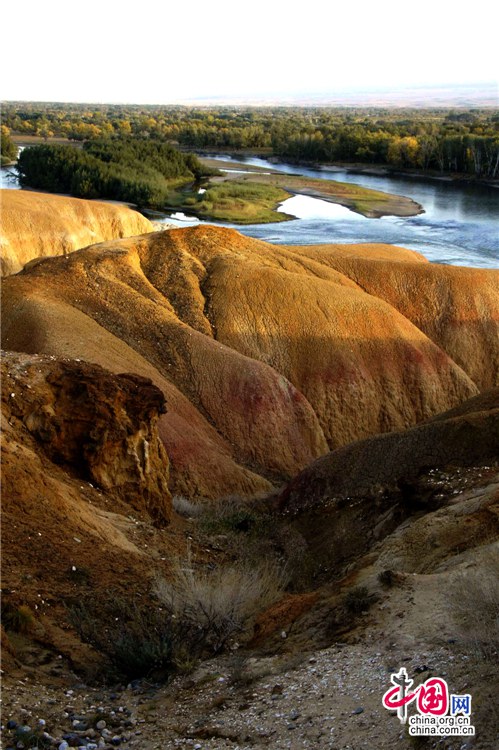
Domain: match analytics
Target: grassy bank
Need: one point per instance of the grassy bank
(369, 203)
(253, 197)
(234, 201)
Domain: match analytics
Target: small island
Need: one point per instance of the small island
(370, 203)
(153, 175)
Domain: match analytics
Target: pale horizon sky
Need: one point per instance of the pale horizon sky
(150, 53)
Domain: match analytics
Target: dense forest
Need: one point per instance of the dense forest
(135, 170)
(447, 141)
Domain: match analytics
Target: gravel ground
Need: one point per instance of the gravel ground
(329, 701)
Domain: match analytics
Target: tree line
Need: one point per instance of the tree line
(443, 140)
(139, 171)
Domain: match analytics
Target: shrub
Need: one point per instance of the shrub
(266, 536)
(230, 514)
(387, 578)
(201, 611)
(18, 618)
(357, 600)
(187, 508)
(217, 604)
(137, 638)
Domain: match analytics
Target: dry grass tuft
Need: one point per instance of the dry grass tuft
(187, 508)
(220, 602)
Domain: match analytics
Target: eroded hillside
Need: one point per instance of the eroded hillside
(38, 225)
(388, 560)
(325, 420)
(268, 356)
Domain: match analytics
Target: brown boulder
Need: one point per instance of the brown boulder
(101, 427)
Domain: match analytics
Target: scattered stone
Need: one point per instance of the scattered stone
(421, 668)
(73, 740)
(80, 726)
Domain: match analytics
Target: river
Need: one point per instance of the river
(459, 225)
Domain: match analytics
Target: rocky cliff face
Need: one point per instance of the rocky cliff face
(101, 428)
(268, 356)
(36, 225)
(84, 495)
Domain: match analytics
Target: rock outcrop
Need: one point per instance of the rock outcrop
(84, 498)
(36, 225)
(268, 356)
(100, 427)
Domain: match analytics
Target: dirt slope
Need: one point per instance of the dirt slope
(64, 542)
(355, 496)
(40, 225)
(455, 307)
(268, 356)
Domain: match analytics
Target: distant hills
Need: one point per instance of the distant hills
(480, 94)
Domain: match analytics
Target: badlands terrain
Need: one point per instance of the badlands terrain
(40, 224)
(195, 400)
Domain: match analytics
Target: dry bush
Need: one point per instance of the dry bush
(219, 603)
(251, 531)
(137, 639)
(231, 513)
(357, 600)
(473, 602)
(18, 618)
(187, 508)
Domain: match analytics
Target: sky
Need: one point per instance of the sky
(173, 52)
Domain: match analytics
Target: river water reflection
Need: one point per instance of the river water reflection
(459, 226)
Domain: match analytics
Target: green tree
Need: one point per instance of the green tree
(9, 149)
